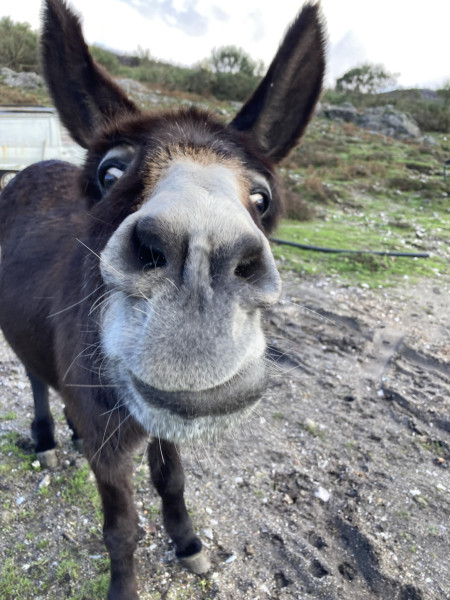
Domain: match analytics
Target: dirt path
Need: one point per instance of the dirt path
(338, 488)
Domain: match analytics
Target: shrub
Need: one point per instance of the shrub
(296, 208)
(106, 58)
(315, 190)
(233, 86)
(18, 46)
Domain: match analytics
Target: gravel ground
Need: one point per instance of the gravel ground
(337, 489)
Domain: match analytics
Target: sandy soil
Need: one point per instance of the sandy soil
(337, 489)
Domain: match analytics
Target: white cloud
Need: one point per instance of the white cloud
(409, 38)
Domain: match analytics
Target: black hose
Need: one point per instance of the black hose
(339, 251)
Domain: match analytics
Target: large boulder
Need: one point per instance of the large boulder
(131, 86)
(26, 81)
(389, 121)
(386, 120)
(340, 112)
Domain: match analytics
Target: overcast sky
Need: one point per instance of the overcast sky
(410, 38)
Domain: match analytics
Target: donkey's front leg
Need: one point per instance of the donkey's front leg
(120, 525)
(168, 478)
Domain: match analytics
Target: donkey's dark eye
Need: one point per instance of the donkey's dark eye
(260, 199)
(110, 176)
(114, 164)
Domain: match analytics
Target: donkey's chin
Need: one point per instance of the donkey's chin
(186, 415)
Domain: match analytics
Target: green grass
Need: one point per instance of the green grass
(8, 416)
(366, 192)
(18, 457)
(66, 574)
(94, 589)
(68, 569)
(78, 489)
(14, 583)
(356, 234)
(11, 96)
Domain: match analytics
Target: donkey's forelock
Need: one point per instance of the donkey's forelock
(159, 139)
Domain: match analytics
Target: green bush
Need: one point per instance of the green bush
(107, 59)
(233, 86)
(18, 46)
(199, 80)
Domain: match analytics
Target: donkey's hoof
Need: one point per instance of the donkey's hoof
(48, 459)
(197, 563)
(78, 445)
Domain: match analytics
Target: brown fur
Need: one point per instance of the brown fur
(76, 253)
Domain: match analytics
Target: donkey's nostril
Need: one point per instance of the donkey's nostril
(256, 272)
(151, 257)
(148, 246)
(249, 268)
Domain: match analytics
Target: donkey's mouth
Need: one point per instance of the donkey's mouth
(238, 393)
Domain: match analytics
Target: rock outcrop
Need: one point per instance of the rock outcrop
(24, 80)
(386, 120)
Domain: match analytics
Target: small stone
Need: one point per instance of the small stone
(6, 516)
(19, 500)
(36, 465)
(310, 424)
(322, 494)
(420, 500)
(429, 140)
(238, 480)
(249, 550)
(287, 499)
(150, 527)
(231, 559)
(45, 482)
(414, 492)
(208, 533)
(69, 538)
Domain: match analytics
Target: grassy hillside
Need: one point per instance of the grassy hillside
(366, 192)
(346, 188)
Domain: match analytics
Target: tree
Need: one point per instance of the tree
(366, 79)
(18, 46)
(231, 59)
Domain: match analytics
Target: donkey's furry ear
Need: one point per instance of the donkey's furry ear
(82, 91)
(279, 110)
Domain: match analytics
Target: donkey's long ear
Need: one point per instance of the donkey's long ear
(82, 91)
(279, 110)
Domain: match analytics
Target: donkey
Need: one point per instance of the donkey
(135, 286)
